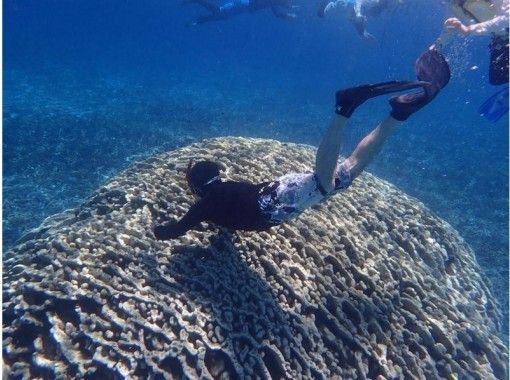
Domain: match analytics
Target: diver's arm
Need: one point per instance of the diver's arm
(493, 25)
(359, 20)
(171, 230)
(360, 25)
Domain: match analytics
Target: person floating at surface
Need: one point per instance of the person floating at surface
(268, 204)
(358, 11)
(484, 18)
(280, 8)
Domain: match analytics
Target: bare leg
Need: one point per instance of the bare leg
(347, 101)
(327, 154)
(326, 160)
(368, 147)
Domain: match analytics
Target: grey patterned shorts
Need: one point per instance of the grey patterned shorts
(290, 195)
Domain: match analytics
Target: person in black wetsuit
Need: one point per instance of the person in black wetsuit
(280, 8)
(247, 206)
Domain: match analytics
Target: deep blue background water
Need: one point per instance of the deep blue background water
(91, 85)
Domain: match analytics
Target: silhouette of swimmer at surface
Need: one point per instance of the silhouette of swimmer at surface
(358, 11)
(482, 18)
(247, 206)
(280, 8)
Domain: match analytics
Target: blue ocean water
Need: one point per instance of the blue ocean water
(89, 86)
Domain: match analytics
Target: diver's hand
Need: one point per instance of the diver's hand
(455, 23)
(166, 231)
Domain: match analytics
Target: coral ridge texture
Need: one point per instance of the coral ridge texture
(368, 285)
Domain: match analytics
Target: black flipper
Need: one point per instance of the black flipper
(431, 67)
(349, 99)
(405, 105)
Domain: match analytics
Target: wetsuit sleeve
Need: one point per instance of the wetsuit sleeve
(491, 26)
(172, 230)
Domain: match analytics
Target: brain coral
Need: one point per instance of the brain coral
(367, 285)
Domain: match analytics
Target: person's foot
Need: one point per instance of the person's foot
(349, 99)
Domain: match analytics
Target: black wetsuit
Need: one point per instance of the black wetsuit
(229, 204)
(498, 71)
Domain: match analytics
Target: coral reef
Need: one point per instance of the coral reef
(369, 284)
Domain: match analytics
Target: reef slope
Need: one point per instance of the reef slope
(367, 285)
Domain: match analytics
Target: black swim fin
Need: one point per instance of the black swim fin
(403, 106)
(349, 99)
(432, 68)
(495, 107)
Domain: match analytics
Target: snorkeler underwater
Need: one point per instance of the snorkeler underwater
(255, 189)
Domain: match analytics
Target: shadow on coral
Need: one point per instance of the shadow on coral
(238, 300)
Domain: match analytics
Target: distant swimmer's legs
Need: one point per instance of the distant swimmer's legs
(360, 25)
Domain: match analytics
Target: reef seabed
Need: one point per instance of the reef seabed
(369, 284)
